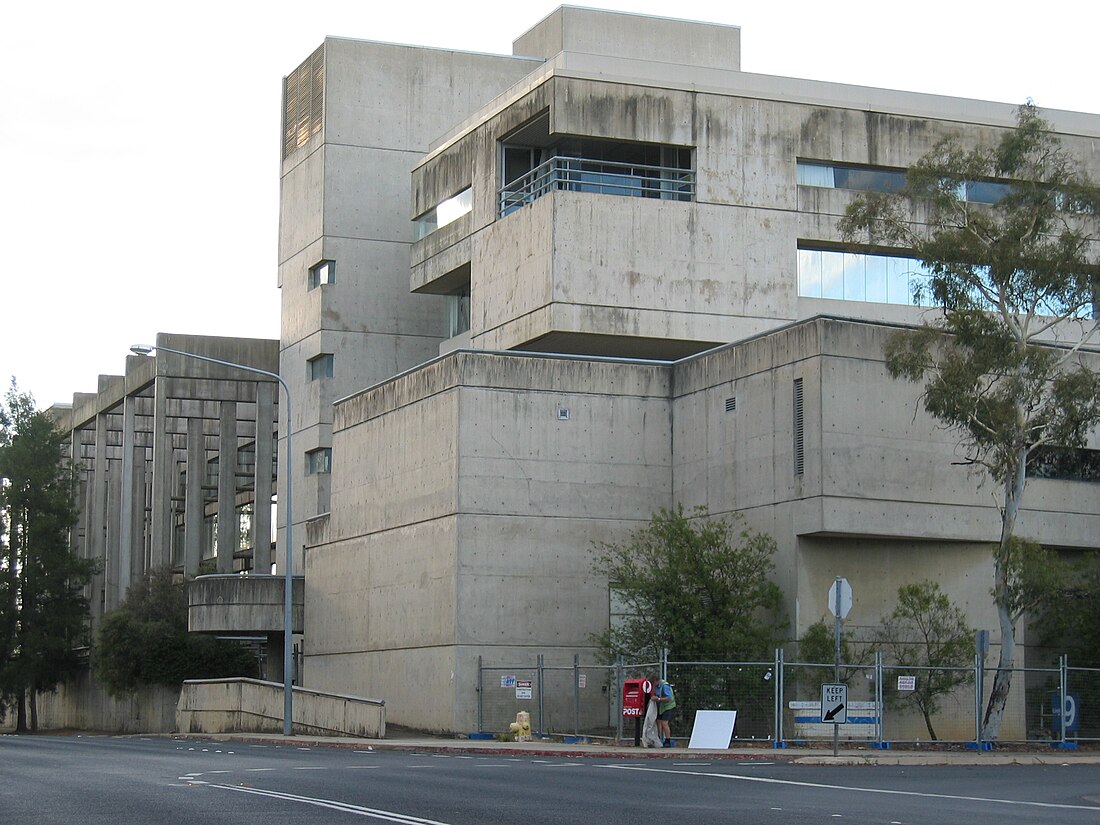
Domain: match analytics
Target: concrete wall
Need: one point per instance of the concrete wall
(472, 491)
(724, 267)
(251, 706)
(249, 604)
(81, 704)
(573, 29)
(345, 198)
(478, 541)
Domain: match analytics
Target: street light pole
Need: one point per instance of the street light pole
(288, 563)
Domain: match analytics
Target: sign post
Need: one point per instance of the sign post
(840, 602)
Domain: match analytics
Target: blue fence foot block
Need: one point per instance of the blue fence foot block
(574, 740)
(481, 736)
(778, 745)
(979, 746)
(1064, 746)
(879, 746)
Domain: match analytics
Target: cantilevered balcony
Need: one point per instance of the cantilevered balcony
(601, 177)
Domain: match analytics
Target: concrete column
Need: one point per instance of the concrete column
(138, 558)
(193, 503)
(164, 481)
(112, 554)
(273, 666)
(97, 514)
(127, 539)
(228, 527)
(261, 509)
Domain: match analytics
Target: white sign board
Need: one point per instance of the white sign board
(713, 729)
(907, 683)
(834, 704)
(845, 597)
(524, 689)
(507, 681)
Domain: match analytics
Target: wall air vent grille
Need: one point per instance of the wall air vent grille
(303, 102)
(799, 430)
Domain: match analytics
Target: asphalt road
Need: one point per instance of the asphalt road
(124, 781)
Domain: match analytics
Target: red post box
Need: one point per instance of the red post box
(635, 695)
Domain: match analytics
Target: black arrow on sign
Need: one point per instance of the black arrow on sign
(831, 714)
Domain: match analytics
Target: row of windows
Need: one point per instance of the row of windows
(854, 276)
(879, 179)
(882, 279)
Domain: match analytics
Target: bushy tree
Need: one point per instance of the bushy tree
(1014, 286)
(1068, 614)
(818, 646)
(928, 631)
(695, 584)
(145, 642)
(43, 609)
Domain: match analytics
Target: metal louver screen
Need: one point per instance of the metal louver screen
(731, 404)
(799, 444)
(303, 101)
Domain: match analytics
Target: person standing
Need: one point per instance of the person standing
(666, 709)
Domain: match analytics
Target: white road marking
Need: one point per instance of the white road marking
(310, 768)
(219, 771)
(358, 810)
(363, 767)
(887, 791)
(258, 770)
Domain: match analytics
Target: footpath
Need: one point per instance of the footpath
(817, 755)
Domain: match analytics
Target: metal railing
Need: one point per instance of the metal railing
(602, 177)
(779, 701)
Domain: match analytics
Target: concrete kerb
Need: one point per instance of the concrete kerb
(545, 748)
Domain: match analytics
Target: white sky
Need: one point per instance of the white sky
(139, 142)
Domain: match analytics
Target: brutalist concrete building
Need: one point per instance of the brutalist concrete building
(530, 299)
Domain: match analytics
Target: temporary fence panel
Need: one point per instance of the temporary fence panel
(801, 702)
(924, 704)
(577, 700)
(746, 687)
(1027, 715)
(1081, 706)
(504, 692)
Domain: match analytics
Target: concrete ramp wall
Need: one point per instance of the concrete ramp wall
(252, 706)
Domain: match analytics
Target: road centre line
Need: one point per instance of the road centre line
(769, 781)
(346, 807)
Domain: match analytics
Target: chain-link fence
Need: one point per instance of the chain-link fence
(746, 687)
(781, 701)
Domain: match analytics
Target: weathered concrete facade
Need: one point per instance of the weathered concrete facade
(478, 540)
(619, 189)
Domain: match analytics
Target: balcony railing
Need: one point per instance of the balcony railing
(602, 177)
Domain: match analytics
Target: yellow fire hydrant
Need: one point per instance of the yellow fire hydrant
(521, 728)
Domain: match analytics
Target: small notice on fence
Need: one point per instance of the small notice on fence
(907, 683)
(524, 689)
(582, 680)
(507, 681)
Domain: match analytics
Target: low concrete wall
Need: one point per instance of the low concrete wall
(252, 706)
(81, 704)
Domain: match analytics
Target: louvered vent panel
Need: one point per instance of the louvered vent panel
(799, 429)
(303, 102)
(731, 404)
